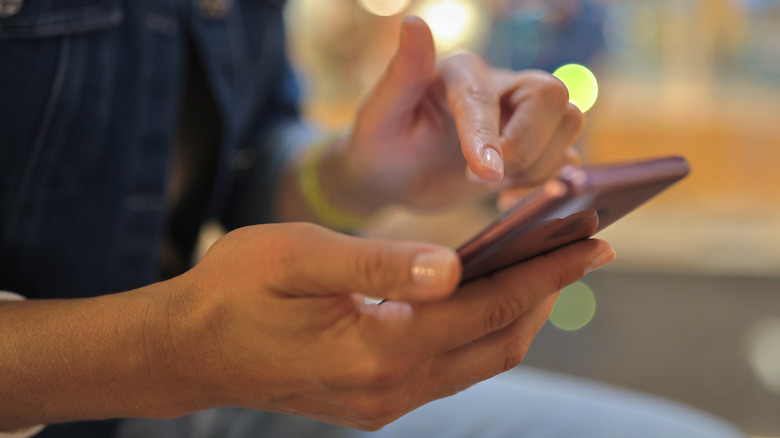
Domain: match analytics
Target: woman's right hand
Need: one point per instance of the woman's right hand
(275, 321)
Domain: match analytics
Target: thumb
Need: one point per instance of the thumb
(328, 263)
(410, 70)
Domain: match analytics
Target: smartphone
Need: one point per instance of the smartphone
(577, 205)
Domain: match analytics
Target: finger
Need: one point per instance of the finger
(408, 74)
(492, 354)
(558, 152)
(546, 171)
(509, 197)
(446, 373)
(475, 107)
(320, 261)
(491, 303)
(537, 107)
(487, 187)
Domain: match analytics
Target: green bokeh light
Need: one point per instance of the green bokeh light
(575, 307)
(582, 85)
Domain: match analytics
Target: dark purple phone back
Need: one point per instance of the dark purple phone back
(580, 203)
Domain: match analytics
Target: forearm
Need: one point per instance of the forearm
(106, 357)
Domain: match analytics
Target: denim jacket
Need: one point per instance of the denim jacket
(89, 97)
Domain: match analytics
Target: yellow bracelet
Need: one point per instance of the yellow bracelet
(316, 198)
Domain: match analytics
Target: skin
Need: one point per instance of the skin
(260, 323)
(427, 122)
(266, 321)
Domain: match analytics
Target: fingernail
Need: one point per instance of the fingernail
(492, 160)
(601, 260)
(430, 267)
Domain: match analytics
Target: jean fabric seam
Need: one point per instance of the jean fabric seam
(71, 14)
(61, 22)
(38, 146)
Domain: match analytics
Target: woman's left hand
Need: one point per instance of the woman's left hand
(426, 122)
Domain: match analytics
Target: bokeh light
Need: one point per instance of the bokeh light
(384, 7)
(763, 352)
(455, 24)
(582, 85)
(575, 307)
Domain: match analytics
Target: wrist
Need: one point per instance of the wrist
(184, 347)
(336, 193)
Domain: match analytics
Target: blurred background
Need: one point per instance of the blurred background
(691, 309)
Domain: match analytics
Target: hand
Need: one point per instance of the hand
(279, 322)
(425, 122)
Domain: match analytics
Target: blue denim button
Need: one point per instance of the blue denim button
(9, 8)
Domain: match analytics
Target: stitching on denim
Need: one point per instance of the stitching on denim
(61, 24)
(72, 14)
(40, 138)
(68, 102)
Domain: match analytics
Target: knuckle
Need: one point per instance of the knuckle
(512, 356)
(552, 91)
(478, 94)
(573, 119)
(565, 275)
(561, 276)
(480, 129)
(519, 161)
(505, 310)
(560, 280)
(370, 267)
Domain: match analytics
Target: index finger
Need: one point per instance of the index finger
(475, 105)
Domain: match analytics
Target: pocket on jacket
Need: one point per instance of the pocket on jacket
(57, 77)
